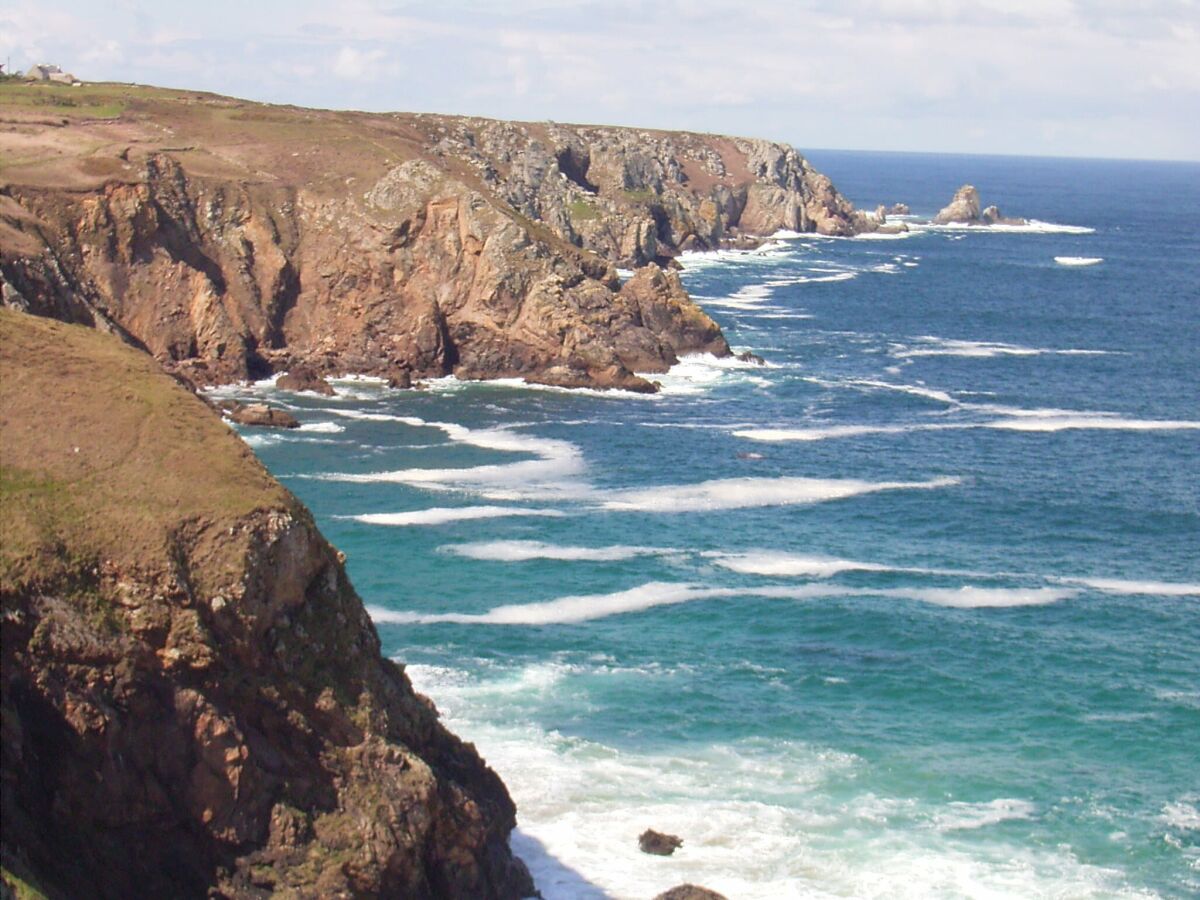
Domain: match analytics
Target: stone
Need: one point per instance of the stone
(657, 843)
(260, 414)
(963, 209)
(304, 378)
(689, 892)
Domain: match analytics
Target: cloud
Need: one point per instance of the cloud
(1035, 76)
(357, 65)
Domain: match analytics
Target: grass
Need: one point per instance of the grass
(84, 102)
(104, 456)
(582, 210)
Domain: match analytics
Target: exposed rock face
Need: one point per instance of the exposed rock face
(193, 697)
(963, 209)
(259, 414)
(657, 843)
(303, 378)
(347, 242)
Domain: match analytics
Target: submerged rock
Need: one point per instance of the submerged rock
(657, 843)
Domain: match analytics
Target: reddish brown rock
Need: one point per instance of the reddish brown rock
(304, 378)
(193, 699)
(259, 414)
(689, 892)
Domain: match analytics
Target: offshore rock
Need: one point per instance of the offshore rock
(657, 843)
(259, 414)
(304, 378)
(193, 699)
(963, 209)
(234, 240)
(689, 892)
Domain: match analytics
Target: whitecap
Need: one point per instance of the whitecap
(1128, 587)
(561, 611)
(741, 493)
(323, 427)
(776, 564)
(970, 597)
(1032, 226)
(927, 345)
(958, 816)
(1183, 814)
(443, 515)
(1063, 420)
(819, 433)
(1078, 260)
(521, 551)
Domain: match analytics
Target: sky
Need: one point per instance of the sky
(1035, 77)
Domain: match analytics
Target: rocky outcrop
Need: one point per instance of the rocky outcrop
(657, 843)
(261, 239)
(194, 701)
(259, 414)
(303, 378)
(964, 209)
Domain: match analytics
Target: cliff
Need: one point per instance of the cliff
(233, 240)
(193, 696)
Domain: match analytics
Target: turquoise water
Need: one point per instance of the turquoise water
(912, 610)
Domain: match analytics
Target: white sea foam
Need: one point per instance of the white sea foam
(564, 610)
(1033, 226)
(970, 597)
(1127, 587)
(698, 373)
(1183, 814)
(761, 819)
(927, 345)
(1063, 420)
(521, 551)
(740, 493)
(555, 472)
(786, 234)
(958, 816)
(441, 515)
(323, 427)
(784, 565)
(818, 433)
(1078, 260)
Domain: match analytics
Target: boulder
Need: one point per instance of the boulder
(898, 209)
(993, 216)
(747, 356)
(657, 843)
(962, 210)
(259, 414)
(304, 378)
(689, 892)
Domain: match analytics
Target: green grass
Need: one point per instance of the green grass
(582, 210)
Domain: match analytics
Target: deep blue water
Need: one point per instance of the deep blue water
(913, 610)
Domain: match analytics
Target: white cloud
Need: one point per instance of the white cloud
(357, 65)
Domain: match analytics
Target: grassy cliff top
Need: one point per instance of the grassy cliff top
(104, 457)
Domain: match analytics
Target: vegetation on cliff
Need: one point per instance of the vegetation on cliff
(193, 695)
(233, 239)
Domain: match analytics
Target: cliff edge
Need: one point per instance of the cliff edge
(233, 239)
(193, 695)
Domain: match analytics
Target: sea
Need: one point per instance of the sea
(912, 609)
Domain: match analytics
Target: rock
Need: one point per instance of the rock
(880, 214)
(304, 378)
(194, 700)
(992, 216)
(657, 843)
(962, 210)
(689, 892)
(401, 379)
(747, 356)
(488, 250)
(898, 209)
(260, 414)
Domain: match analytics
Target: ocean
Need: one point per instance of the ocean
(911, 610)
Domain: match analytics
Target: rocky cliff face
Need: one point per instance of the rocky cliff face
(193, 696)
(233, 240)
